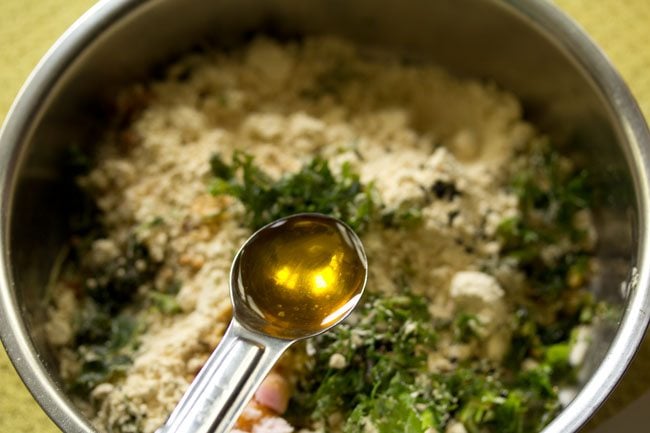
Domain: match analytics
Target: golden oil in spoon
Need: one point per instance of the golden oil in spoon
(300, 275)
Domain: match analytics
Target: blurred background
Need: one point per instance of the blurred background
(621, 28)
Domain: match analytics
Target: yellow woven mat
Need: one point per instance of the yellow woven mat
(29, 27)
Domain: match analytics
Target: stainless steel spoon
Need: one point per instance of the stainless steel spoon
(294, 278)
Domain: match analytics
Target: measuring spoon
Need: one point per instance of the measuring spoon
(292, 279)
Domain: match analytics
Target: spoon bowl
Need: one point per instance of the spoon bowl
(298, 276)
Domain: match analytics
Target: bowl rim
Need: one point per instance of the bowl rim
(552, 23)
(616, 95)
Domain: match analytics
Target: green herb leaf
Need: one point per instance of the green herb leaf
(115, 284)
(314, 188)
(108, 356)
(166, 303)
(384, 338)
(551, 193)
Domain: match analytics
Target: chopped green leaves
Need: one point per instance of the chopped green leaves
(315, 188)
(114, 285)
(221, 170)
(386, 385)
(545, 240)
(106, 353)
(166, 303)
(384, 338)
(165, 300)
(466, 327)
(401, 407)
(549, 246)
(106, 329)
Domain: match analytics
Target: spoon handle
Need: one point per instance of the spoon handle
(226, 383)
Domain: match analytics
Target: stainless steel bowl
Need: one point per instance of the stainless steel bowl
(567, 86)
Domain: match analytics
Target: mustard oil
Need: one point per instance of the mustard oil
(301, 275)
